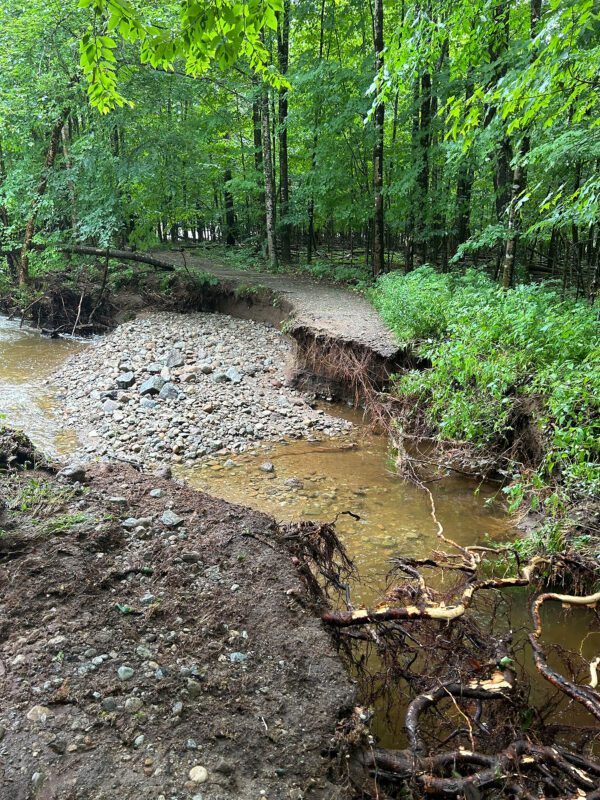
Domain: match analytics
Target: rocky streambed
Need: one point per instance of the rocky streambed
(174, 388)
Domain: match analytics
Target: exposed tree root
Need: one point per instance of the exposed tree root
(438, 636)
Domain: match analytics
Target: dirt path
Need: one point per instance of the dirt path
(157, 643)
(326, 310)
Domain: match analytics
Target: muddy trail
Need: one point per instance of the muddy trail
(177, 650)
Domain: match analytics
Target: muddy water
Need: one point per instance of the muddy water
(319, 480)
(26, 361)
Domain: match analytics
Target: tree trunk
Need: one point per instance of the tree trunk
(378, 211)
(40, 192)
(311, 201)
(258, 159)
(269, 180)
(230, 223)
(510, 249)
(283, 51)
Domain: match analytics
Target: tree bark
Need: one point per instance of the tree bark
(379, 118)
(258, 159)
(269, 180)
(283, 51)
(40, 192)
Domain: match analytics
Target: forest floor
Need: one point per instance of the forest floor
(327, 310)
(153, 636)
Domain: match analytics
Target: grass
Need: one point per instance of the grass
(499, 357)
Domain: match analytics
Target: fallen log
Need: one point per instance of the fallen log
(103, 252)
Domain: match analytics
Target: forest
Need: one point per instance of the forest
(222, 224)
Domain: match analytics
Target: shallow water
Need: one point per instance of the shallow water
(319, 480)
(27, 359)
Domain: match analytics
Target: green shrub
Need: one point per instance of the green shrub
(497, 355)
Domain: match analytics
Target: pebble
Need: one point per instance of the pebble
(125, 673)
(198, 774)
(39, 714)
(133, 705)
(170, 519)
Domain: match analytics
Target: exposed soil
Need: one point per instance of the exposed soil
(229, 667)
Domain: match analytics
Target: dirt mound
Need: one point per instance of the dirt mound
(157, 643)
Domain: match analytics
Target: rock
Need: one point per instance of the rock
(130, 523)
(125, 673)
(39, 714)
(177, 708)
(73, 473)
(37, 781)
(170, 519)
(220, 377)
(154, 368)
(156, 492)
(268, 466)
(118, 501)
(152, 385)
(225, 767)
(147, 402)
(108, 406)
(293, 483)
(125, 380)
(192, 557)
(206, 369)
(169, 392)
(164, 473)
(198, 774)
(143, 652)
(194, 689)
(175, 359)
(109, 704)
(234, 375)
(238, 658)
(57, 643)
(191, 744)
(139, 741)
(133, 705)
(147, 600)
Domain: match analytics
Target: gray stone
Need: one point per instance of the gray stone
(164, 473)
(73, 473)
(125, 673)
(147, 600)
(174, 359)
(238, 658)
(177, 708)
(220, 377)
(154, 368)
(143, 652)
(109, 704)
(130, 523)
(206, 369)
(192, 557)
(125, 380)
(194, 689)
(294, 483)
(170, 519)
(133, 705)
(191, 744)
(152, 385)
(37, 781)
(139, 741)
(268, 466)
(146, 402)
(156, 492)
(169, 392)
(108, 406)
(234, 375)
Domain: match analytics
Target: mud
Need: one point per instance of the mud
(229, 667)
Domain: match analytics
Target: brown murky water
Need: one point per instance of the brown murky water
(319, 480)
(315, 480)
(26, 361)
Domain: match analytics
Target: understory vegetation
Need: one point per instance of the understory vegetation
(514, 376)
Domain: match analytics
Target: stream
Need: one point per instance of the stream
(312, 480)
